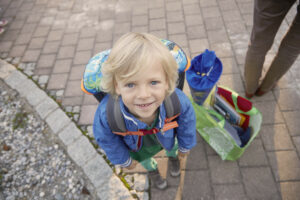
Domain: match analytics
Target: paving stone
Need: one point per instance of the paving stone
(140, 29)
(229, 191)
(66, 52)
(112, 190)
(46, 60)
(57, 81)
(46, 107)
(101, 47)
(81, 151)
(229, 65)
(156, 13)
(175, 16)
(222, 50)
(70, 39)
(69, 134)
(197, 158)
(31, 56)
(235, 27)
(88, 32)
(167, 194)
(87, 114)
(254, 155)
(214, 23)
(179, 39)
(17, 51)
(41, 31)
(276, 137)
(173, 6)
(82, 57)
(98, 170)
(62, 66)
(217, 36)
(208, 3)
(37, 43)
(285, 165)
(211, 12)
(297, 143)
(223, 171)
(191, 20)
(231, 15)
(6, 69)
(23, 39)
(191, 9)
(5, 46)
(104, 36)
(89, 100)
(232, 81)
(196, 32)
(86, 44)
(176, 27)
(259, 183)
(198, 46)
(239, 40)
(47, 21)
(157, 24)
(270, 111)
(72, 101)
(292, 103)
(55, 35)
(57, 120)
(290, 190)
(197, 187)
(73, 88)
(292, 122)
(77, 72)
(139, 20)
(51, 47)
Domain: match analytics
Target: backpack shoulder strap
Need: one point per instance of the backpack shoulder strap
(114, 115)
(172, 105)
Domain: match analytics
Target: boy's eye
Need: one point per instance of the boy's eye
(129, 85)
(154, 82)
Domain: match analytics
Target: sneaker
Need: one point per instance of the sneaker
(174, 166)
(157, 180)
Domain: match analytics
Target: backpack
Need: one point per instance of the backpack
(90, 84)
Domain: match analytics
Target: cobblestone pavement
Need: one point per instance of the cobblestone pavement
(52, 40)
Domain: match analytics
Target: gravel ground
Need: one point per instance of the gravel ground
(33, 164)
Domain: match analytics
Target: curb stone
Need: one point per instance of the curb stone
(82, 152)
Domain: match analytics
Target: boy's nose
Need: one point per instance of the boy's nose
(143, 92)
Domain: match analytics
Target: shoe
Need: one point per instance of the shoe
(3, 22)
(157, 180)
(1, 30)
(248, 95)
(174, 166)
(260, 92)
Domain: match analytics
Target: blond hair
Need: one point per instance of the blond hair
(132, 53)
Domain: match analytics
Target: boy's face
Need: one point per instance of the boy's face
(145, 92)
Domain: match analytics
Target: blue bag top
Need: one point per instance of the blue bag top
(205, 71)
(92, 74)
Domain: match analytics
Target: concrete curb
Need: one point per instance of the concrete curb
(78, 147)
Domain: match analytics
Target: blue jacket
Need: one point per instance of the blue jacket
(117, 147)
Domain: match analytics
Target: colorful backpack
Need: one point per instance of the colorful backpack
(90, 84)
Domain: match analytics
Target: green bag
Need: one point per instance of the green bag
(217, 137)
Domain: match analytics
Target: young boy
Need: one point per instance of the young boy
(141, 72)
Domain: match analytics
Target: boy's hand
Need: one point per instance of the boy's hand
(133, 164)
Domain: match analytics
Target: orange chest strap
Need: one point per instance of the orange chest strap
(169, 124)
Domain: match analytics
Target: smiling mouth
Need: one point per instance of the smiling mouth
(143, 105)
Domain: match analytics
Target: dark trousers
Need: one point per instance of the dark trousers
(268, 16)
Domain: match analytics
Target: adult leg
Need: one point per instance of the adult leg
(287, 54)
(268, 15)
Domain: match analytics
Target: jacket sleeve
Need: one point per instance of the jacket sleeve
(186, 132)
(113, 145)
